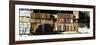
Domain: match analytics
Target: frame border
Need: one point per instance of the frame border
(12, 21)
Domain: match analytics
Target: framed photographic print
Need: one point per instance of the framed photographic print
(37, 22)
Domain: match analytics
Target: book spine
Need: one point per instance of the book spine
(56, 29)
(32, 15)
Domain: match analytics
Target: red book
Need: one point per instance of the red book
(61, 20)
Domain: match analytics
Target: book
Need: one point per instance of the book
(33, 21)
(24, 19)
(55, 27)
(24, 28)
(38, 21)
(32, 15)
(63, 27)
(48, 16)
(43, 15)
(69, 21)
(59, 27)
(67, 27)
(61, 19)
(69, 16)
(37, 15)
(43, 21)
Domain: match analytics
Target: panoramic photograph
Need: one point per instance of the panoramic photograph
(52, 22)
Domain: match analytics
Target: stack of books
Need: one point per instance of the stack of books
(24, 28)
(69, 16)
(65, 22)
(71, 27)
(40, 15)
(24, 25)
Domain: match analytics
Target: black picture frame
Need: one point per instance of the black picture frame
(12, 21)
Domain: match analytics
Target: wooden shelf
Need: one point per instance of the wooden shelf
(42, 18)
